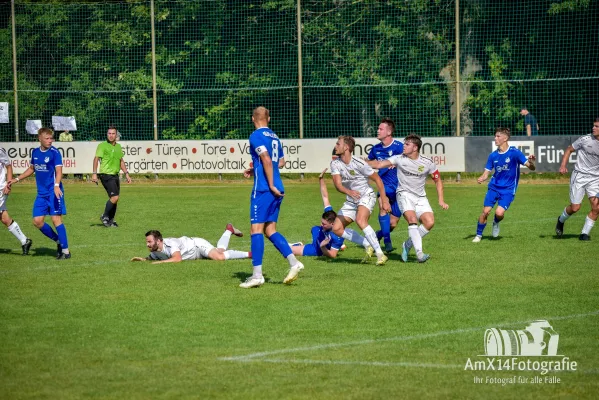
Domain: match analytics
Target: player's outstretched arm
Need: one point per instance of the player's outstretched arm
(28, 172)
(140, 259)
(176, 257)
(563, 168)
(531, 162)
(439, 185)
(324, 193)
(376, 164)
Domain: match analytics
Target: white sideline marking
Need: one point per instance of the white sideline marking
(394, 339)
(367, 363)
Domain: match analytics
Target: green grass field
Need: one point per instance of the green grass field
(98, 326)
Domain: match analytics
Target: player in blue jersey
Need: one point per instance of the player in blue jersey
(267, 196)
(324, 241)
(506, 161)
(388, 147)
(46, 162)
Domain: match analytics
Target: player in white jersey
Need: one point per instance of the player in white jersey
(164, 250)
(350, 176)
(584, 179)
(412, 170)
(11, 224)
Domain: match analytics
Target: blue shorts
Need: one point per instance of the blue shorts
(264, 207)
(313, 249)
(502, 199)
(49, 205)
(394, 204)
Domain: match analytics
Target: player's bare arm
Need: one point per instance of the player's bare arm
(28, 172)
(57, 192)
(354, 194)
(563, 168)
(6, 189)
(331, 253)
(268, 171)
(381, 188)
(376, 164)
(95, 169)
(531, 162)
(140, 259)
(483, 177)
(324, 193)
(124, 169)
(439, 185)
(174, 259)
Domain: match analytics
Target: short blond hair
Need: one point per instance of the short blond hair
(45, 131)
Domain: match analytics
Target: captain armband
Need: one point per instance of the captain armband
(436, 176)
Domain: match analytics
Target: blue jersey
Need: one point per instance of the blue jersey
(380, 152)
(507, 169)
(45, 163)
(265, 140)
(319, 235)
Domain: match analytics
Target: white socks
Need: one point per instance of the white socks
(372, 240)
(236, 254)
(588, 225)
(353, 236)
(415, 238)
(223, 242)
(564, 216)
(423, 232)
(16, 231)
(292, 260)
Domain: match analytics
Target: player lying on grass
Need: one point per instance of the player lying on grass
(324, 241)
(164, 250)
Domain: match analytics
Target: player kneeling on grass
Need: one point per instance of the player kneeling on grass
(190, 248)
(584, 179)
(506, 161)
(324, 241)
(412, 169)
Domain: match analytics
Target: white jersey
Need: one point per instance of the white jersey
(4, 162)
(587, 155)
(354, 176)
(185, 245)
(412, 173)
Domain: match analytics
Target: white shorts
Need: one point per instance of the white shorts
(350, 208)
(203, 247)
(583, 183)
(3, 198)
(410, 202)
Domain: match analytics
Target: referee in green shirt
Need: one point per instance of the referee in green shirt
(110, 153)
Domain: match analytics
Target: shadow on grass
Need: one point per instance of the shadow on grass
(43, 252)
(491, 238)
(5, 251)
(568, 236)
(242, 276)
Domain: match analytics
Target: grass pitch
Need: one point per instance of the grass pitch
(99, 326)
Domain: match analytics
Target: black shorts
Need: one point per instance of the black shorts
(111, 183)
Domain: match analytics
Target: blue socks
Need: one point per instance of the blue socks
(62, 236)
(48, 231)
(480, 228)
(257, 249)
(280, 243)
(385, 222)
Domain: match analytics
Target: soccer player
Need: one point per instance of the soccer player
(350, 176)
(388, 147)
(266, 198)
(324, 241)
(584, 179)
(506, 161)
(46, 162)
(168, 250)
(110, 154)
(412, 170)
(11, 224)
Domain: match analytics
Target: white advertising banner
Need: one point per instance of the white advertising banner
(224, 156)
